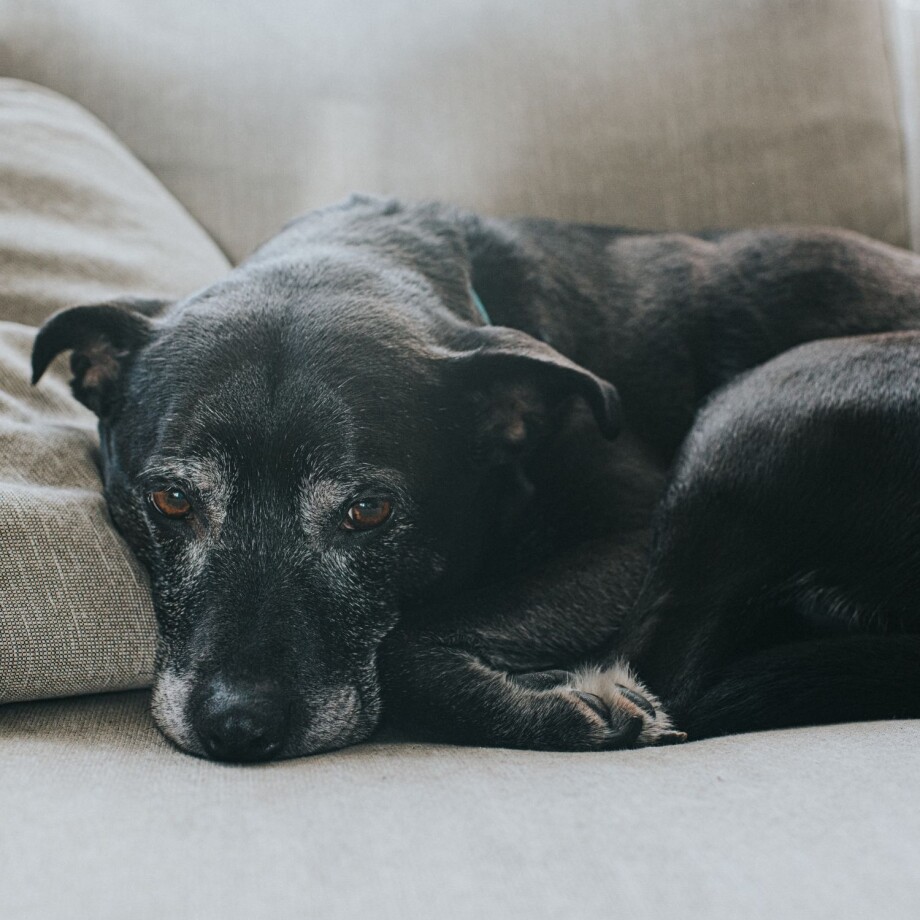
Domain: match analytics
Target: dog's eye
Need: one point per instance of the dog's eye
(171, 503)
(367, 513)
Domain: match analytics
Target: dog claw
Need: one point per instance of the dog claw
(595, 703)
(670, 737)
(637, 700)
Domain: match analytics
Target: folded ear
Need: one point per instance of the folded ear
(102, 337)
(519, 386)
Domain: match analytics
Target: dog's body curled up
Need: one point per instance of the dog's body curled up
(356, 496)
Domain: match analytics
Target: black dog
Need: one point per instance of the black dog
(352, 493)
(785, 574)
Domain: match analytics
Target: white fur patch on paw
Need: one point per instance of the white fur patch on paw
(615, 684)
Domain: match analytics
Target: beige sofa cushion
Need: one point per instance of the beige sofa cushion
(102, 820)
(80, 220)
(655, 113)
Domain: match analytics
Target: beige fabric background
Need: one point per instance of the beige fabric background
(654, 113)
(80, 220)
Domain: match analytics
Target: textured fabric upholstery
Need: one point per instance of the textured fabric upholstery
(102, 821)
(80, 220)
(654, 113)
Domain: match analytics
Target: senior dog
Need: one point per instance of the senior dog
(404, 459)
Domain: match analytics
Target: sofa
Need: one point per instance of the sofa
(146, 147)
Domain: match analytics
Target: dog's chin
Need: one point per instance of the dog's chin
(342, 720)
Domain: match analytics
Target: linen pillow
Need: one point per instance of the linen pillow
(81, 220)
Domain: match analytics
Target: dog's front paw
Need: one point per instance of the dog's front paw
(620, 710)
(621, 690)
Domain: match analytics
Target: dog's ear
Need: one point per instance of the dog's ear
(102, 338)
(519, 385)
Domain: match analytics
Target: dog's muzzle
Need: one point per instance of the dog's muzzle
(245, 720)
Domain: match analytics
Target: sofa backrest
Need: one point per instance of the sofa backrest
(652, 113)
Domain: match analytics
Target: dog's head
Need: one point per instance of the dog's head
(301, 452)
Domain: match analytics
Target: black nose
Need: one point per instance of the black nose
(242, 723)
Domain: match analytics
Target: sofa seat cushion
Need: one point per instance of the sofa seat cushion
(102, 819)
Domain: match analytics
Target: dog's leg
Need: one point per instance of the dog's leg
(840, 679)
(478, 673)
(724, 658)
(701, 604)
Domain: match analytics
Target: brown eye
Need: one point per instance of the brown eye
(367, 513)
(171, 502)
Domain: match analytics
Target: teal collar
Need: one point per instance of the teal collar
(483, 313)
